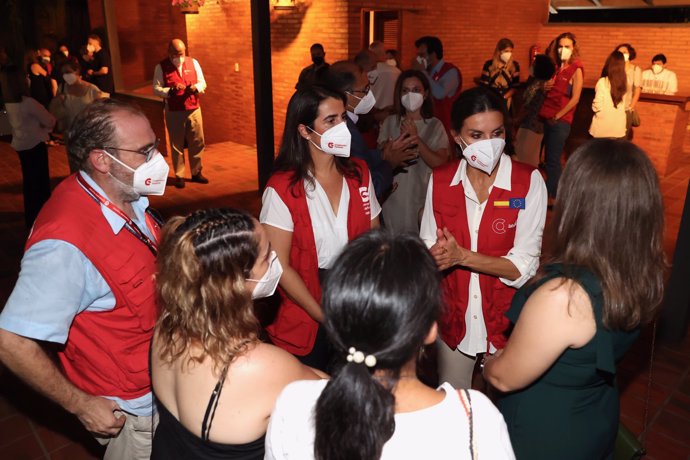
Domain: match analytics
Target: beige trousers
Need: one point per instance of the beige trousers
(454, 367)
(134, 440)
(185, 124)
(528, 146)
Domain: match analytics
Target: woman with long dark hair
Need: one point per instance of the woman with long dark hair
(558, 108)
(603, 279)
(483, 220)
(215, 382)
(381, 302)
(608, 105)
(413, 115)
(317, 200)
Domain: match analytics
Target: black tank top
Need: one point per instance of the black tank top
(173, 441)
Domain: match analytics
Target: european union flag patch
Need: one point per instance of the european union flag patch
(513, 203)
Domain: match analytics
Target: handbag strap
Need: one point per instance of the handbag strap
(467, 405)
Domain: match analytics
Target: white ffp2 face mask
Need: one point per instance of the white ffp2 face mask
(505, 56)
(335, 140)
(656, 68)
(365, 103)
(150, 177)
(177, 61)
(565, 53)
(412, 101)
(70, 78)
(483, 155)
(266, 286)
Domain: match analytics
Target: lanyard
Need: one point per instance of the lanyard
(129, 223)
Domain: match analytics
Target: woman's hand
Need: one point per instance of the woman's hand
(408, 126)
(447, 252)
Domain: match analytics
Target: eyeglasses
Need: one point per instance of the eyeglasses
(360, 91)
(147, 151)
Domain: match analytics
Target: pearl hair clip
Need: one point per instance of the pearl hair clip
(358, 358)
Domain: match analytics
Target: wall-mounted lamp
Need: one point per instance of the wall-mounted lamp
(284, 4)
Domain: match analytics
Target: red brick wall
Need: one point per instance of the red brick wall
(596, 42)
(218, 37)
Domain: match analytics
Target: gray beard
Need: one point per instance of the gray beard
(121, 178)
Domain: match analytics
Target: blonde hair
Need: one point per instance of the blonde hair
(203, 262)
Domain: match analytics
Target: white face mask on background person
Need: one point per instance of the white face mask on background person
(423, 61)
(365, 103)
(150, 177)
(505, 56)
(90, 48)
(335, 140)
(70, 78)
(266, 286)
(626, 57)
(483, 155)
(564, 53)
(391, 62)
(177, 61)
(656, 68)
(412, 101)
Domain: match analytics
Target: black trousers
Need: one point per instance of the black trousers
(36, 180)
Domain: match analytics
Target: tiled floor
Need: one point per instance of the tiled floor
(33, 428)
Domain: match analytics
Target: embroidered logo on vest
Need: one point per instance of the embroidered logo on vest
(364, 194)
(499, 226)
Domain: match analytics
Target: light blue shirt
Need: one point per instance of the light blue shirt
(446, 85)
(57, 282)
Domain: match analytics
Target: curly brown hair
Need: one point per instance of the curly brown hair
(203, 262)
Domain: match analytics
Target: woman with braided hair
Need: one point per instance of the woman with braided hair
(381, 301)
(211, 265)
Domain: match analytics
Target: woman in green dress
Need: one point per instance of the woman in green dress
(602, 281)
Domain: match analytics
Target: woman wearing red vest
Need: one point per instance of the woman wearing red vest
(560, 104)
(483, 220)
(317, 200)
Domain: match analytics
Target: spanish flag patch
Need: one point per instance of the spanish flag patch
(513, 203)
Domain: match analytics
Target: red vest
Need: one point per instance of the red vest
(443, 107)
(106, 351)
(180, 100)
(496, 238)
(560, 93)
(293, 329)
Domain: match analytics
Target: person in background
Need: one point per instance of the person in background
(392, 58)
(483, 221)
(608, 105)
(445, 78)
(379, 314)
(178, 79)
(42, 87)
(214, 381)
(414, 116)
(558, 109)
(316, 201)
(86, 63)
(61, 58)
(581, 313)
(312, 73)
(382, 80)
(501, 72)
(87, 282)
(658, 79)
(31, 124)
(73, 96)
(530, 133)
(634, 88)
(100, 70)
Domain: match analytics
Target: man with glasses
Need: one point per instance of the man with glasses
(349, 78)
(178, 79)
(87, 282)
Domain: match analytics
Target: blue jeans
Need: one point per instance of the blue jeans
(555, 136)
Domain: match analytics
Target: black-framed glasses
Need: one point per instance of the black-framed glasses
(361, 91)
(148, 151)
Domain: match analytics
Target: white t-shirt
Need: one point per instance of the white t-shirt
(31, 123)
(664, 82)
(437, 432)
(384, 86)
(330, 230)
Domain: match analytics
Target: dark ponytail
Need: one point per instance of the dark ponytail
(381, 297)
